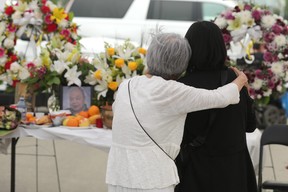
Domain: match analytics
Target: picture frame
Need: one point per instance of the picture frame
(75, 98)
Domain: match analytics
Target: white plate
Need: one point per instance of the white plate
(33, 126)
(76, 128)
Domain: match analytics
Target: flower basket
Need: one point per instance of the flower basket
(246, 26)
(9, 118)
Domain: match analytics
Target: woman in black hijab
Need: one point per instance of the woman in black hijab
(214, 155)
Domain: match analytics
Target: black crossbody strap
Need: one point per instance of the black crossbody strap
(142, 126)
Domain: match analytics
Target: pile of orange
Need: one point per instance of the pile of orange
(90, 115)
(30, 118)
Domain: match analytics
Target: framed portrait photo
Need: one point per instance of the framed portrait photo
(75, 98)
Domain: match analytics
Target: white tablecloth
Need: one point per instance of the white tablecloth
(102, 138)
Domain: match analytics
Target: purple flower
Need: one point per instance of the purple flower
(247, 7)
(256, 14)
(268, 57)
(227, 38)
(271, 84)
(259, 74)
(228, 15)
(269, 37)
(237, 9)
(277, 29)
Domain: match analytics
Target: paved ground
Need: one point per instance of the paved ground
(82, 168)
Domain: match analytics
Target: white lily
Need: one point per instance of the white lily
(101, 88)
(60, 66)
(72, 76)
(90, 79)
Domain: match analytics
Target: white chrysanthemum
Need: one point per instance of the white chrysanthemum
(245, 16)
(280, 56)
(15, 67)
(63, 23)
(221, 22)
(69, 46)
(257, 84)
(268, 21)
(8, 43)
(16, 16)
(2, 27)
(255, 33)
(279, 88)
(21, 7)
(280, 40)
(23, 73)
(277, 69)
(3, 60)
(267, 93)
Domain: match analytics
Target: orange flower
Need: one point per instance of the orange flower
(119, 62)
(113, 85)
(98, 74)
(110, 51)
(142, 50)
(132, 65)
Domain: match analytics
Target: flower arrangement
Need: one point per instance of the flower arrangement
(112, 67)
(59, 61)
(247, 24)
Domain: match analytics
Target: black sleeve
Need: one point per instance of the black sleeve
(251, 116)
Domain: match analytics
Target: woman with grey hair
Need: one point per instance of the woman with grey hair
(149, 115)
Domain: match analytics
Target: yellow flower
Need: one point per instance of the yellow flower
(113, 85)
(119, 62)
(110, 51)
(58, 15)
(132, 65)
(142, 50)
(98, 74)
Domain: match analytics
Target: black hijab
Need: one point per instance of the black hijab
(208, 47)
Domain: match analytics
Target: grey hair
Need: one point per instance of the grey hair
(168, 55)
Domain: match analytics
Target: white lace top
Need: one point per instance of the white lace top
(161, 106)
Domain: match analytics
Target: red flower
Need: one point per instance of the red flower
(7, 65)
(15, 82)
(52, 27)
(13, 58)
(45, 9)
(9, 10)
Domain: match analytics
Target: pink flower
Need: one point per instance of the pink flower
(65, 33)
(11, 28)
(228, 15)
(247, 7)
(2, 52)
(30, 65)
(48, 19)
(268, 57)
(227, 38)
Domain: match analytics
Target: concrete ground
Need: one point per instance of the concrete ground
(82, 168)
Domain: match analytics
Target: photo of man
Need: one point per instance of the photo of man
(76, 98)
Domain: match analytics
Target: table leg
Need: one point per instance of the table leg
(13, 160)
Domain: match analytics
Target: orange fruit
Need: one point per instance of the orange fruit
(73, 122)
(93, 110)
(28, 116)
(79, 117)
(84, 114)
(31, 119)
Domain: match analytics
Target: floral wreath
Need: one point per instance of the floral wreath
(247, 24)
(59, 61)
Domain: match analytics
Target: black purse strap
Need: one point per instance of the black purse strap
(142, 126)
